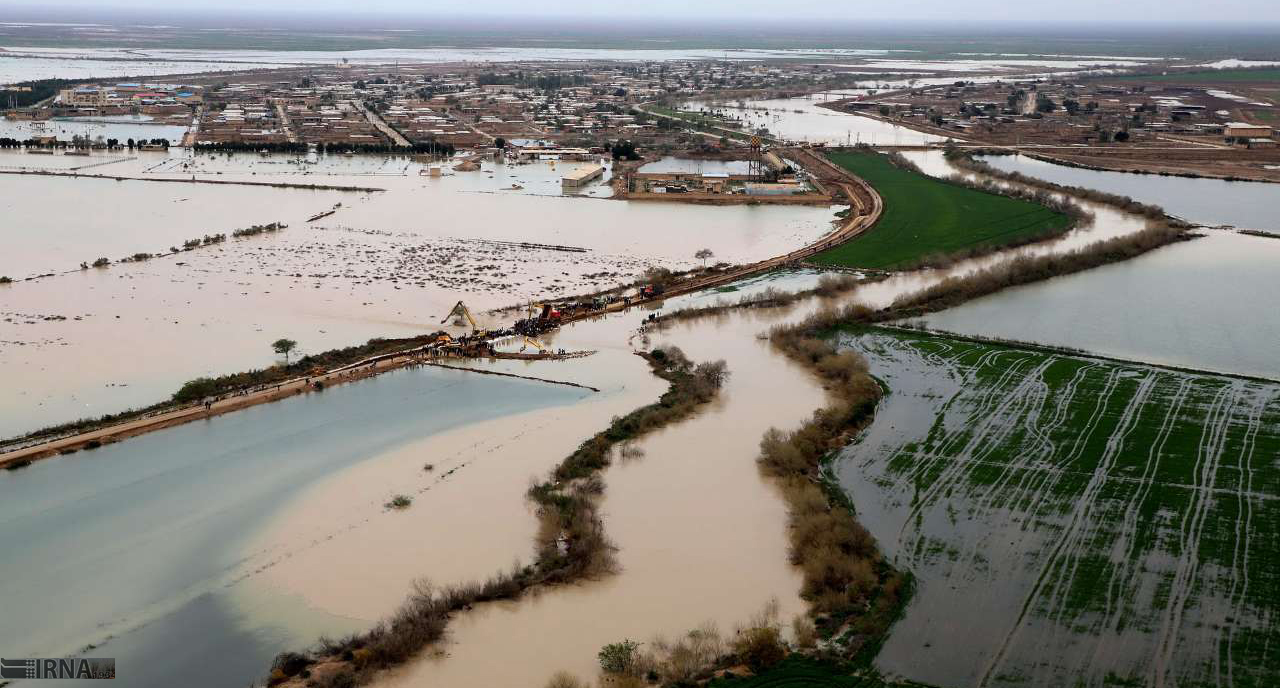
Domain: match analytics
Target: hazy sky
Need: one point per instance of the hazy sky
(843, 11)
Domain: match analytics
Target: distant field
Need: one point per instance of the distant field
(926, 217)
(1070, 518)
(1210, 76)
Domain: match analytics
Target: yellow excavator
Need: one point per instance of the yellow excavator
(530, 341)
(460, 309)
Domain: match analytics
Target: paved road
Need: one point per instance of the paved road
(377, 121)
(285, 124)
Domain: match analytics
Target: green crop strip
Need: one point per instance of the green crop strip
(1109, 521)
(926, 217)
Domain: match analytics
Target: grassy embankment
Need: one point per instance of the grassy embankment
(233, 383)
(854, 594)
(1134, 497)
(571, 542)
(927, 218)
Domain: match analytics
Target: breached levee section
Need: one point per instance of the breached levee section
(1071, 520)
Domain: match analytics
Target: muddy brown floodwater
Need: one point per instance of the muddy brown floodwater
(384, 264)
(701, 535)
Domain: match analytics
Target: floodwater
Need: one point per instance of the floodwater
(991, 62)
(14, 69)
(1070, 521)
(1248, 205)
(469, 518)
(694, 166)
(384, 264)
(701, 535)
(801, 119)
(143, 547)
(686, 557)
(286, 554)
(1204, 304)
(66, 129)
(82, 63)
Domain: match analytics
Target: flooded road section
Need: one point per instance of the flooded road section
(147, 548)
(1070, 521)
(383, 264)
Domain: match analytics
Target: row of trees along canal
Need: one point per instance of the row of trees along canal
(79, 141)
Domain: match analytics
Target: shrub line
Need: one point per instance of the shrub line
(571, 542)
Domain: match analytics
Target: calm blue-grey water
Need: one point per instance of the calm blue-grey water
(1251, 205)
(138, 540)
(1206, 304)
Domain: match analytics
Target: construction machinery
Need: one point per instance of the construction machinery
(460, 310)
(530, 341)
(544, 312)
(549, 313)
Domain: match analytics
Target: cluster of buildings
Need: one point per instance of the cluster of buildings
(165, 103)
(1040, 111)
(771, 176)
(463, 106)
(126, 96)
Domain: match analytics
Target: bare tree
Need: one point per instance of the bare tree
(703, 254)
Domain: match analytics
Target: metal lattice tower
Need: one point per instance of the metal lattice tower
(756, 161)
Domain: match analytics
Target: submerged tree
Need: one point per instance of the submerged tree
(284, 346)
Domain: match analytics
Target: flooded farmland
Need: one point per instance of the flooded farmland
(381, 264)
(1200, 304)
(1248, 205)
(166, 521)
(1071, 521)
(122, 128)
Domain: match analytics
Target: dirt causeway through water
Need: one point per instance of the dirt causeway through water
(867, 207)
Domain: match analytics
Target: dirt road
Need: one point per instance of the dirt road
(866, 207)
